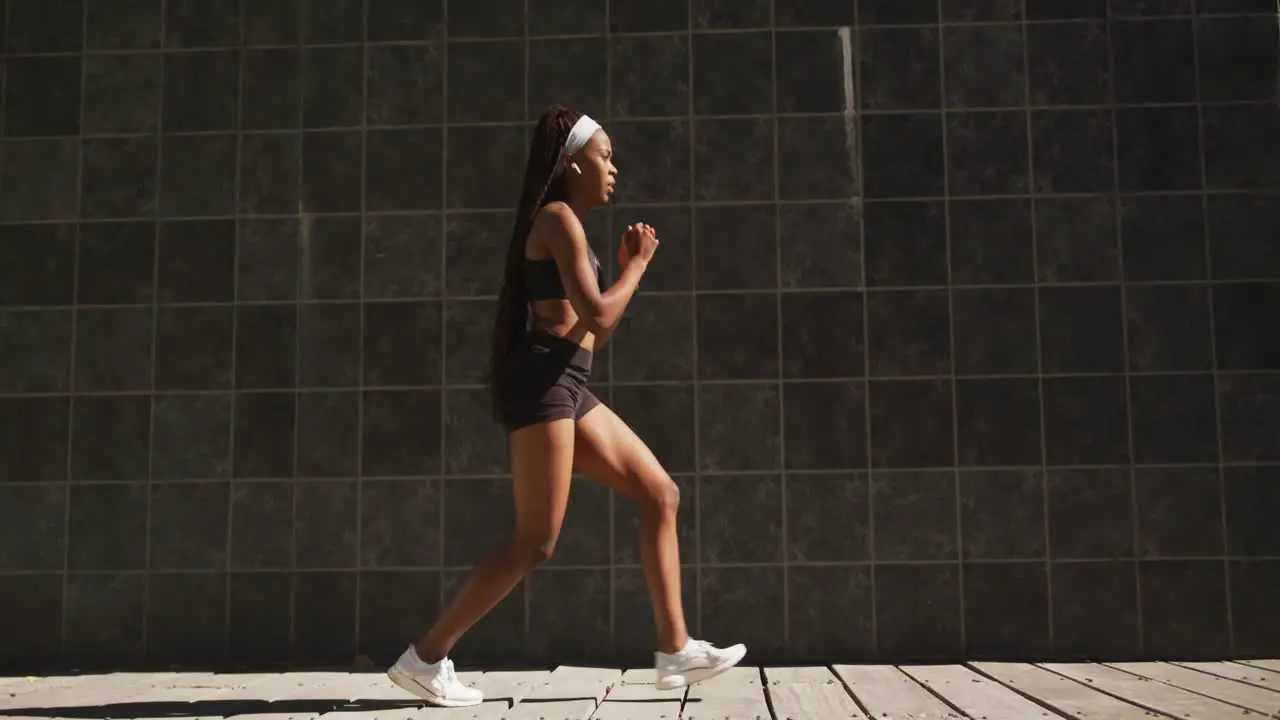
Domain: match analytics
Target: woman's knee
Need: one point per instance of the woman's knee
(534, 550)
(661, 496)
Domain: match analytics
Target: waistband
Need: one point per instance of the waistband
(558, 348)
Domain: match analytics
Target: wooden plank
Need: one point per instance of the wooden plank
(1234, 671)
(736, 694)
(644, 693)
(637, 685)
(580, 709)
(253, 687)
(889, 694)
(639, 676)
(811, 675)
(975, 695)
(513, 685)
(638, 710)
(28, 685)
(1149, 694)
(484, 711)
(87, 690)
(1236, 693)
(488, 710)
(635, 697)
(1067, 697)
(360, 686)
(809, 692)
(801, 701)
(293, 685)
(571, 683)
(139, 690)
(1272, 665)
(202, 687)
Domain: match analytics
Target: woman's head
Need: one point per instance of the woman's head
(587, 164)
(570, 160)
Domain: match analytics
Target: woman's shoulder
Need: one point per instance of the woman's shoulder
(558, 210)
(557, 220)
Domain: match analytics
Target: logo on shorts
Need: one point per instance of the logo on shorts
(541, 349)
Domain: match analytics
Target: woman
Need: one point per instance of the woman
(552, 314)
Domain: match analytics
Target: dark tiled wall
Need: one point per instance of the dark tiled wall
(961, 340)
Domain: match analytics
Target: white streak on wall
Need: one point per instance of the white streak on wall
(850, 107)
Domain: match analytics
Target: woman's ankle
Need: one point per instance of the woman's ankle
(674, 645)
(430, 652)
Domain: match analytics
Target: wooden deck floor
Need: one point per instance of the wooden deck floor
(979, 690)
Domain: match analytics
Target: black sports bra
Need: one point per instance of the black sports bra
(542, 278)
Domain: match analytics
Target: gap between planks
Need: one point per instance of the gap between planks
(1151, 695)
(1242, 695)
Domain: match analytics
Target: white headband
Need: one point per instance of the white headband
(578, 137)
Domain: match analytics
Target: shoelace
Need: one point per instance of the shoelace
(701, 646)
(446, 672)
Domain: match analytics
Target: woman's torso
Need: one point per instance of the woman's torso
(552, 311)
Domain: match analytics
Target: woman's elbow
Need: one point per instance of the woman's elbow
(599, 323)
(594, 315)
(604, 326)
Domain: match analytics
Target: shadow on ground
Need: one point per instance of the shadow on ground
(211, 708)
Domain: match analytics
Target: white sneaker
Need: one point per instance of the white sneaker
(436, 683)
(698, 661)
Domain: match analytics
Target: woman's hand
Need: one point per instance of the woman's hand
(639, 242)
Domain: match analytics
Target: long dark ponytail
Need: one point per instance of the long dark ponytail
(541, 185)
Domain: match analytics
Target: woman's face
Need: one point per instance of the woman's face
(595, 176)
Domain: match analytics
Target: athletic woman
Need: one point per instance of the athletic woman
(553, 312)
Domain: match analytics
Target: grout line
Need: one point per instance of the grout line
(237, 238)
(75, 314)
(302, 288)
(636, 205)
(777, 275)
(1213, 343)
(733, 382)
(660, 33)
(526, 583)
(4, 76)
(363, 325)
(445, 482)
(1035, 297)
(823, 290)
(610, 218)
(951, 325)
(668, 119)
(868, 436)
(698, 469)
(645, 119)
(155, 333)
(1124, 317)
(685, 475)
(328, 570)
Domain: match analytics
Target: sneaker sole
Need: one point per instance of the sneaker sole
(698, 675)
(411, 686)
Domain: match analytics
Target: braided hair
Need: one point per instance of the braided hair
(542, 185)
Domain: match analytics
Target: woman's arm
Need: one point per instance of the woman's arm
(603, 336)
(598, 311)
